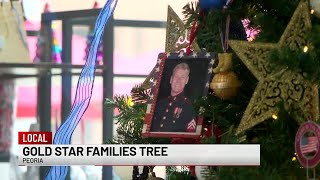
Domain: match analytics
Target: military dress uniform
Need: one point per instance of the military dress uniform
(174, 114)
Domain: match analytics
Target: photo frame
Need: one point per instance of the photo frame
(178, 80)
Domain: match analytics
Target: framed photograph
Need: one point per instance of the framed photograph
(179, 79)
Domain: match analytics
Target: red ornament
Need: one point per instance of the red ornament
(46, 8)
(95, 5)
(192, 170)
(210, 130)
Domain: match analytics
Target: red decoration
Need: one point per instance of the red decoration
(193, 33)
(311, 144)
(192, 36)
(46, 8)
(210, 130)
(96, 5)
(192, 170)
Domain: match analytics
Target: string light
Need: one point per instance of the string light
(312, 11)
(305, 49)
(130, 102)
(274, 116)
(294, 157)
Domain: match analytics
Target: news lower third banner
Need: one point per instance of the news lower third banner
(131, 155)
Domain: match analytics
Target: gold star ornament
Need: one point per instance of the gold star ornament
(281, 85)
(177, 39)
(177, 35)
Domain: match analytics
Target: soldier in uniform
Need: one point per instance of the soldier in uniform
(175, 113)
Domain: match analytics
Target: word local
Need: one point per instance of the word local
(34, 138)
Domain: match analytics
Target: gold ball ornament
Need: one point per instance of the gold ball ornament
(225, 83)
(315, 6)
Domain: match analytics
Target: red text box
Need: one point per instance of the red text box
(35, 137)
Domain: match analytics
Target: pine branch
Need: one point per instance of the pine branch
(140, 94)
(191, 13)
(175, 174)
(119, 102)
(131, 118)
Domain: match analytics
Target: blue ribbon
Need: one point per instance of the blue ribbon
(83, 91)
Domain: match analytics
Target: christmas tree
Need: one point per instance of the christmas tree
(56, 49)
(279, 75)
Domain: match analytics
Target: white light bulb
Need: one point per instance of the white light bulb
(274, 116)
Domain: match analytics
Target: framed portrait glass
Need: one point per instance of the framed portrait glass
(179, 79)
